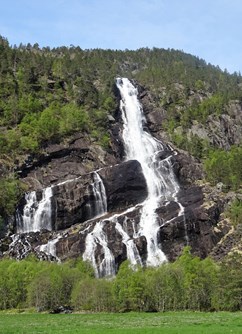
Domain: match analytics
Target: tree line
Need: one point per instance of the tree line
(189, 283)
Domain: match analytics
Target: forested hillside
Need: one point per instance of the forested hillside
(47, 96)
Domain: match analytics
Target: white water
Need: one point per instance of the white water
(100, 204)
(93, 239)
(161, 184)
(50, 248)
(98, 238)
(132, 251)
(160, 179)
(36, 215)
(21, 247)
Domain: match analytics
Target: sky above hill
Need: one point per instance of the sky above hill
(209, 29)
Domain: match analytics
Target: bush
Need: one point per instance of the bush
(11, 190)
(235, 212)
(225, 166)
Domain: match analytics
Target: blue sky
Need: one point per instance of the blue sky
(209, 29)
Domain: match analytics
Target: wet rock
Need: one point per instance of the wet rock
(125, 185)
(74, 201)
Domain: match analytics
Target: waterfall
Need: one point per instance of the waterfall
(160, 179)
(93, 239)
(156, 163)
(136, 233)
(50, 248)
(36, 214)
(100, 203)
(132, 251)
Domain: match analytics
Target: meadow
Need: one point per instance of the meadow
(121, 323)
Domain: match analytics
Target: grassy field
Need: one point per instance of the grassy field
(142, 323)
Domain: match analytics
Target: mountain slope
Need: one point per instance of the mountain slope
(60, 119)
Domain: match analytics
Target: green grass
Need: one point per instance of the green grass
(144, 323)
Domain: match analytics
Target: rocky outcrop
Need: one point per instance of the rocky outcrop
(187, 169)
(69, 167)
(75, 201)
(61, 162)
(125, 185)
(230, 243)
(202, 228)
(221, 130)
(71, 242)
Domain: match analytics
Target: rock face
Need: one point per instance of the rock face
(62, 162)
(198, 228)
(125, 185)
(202, 227)
(222, 130)
(69, 167)
(74, 201)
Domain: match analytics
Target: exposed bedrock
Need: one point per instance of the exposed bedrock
(74, 201)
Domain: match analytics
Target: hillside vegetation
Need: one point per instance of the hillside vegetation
(47, 95)
(187, 284)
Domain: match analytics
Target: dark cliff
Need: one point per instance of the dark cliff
(75, 128)
(69, 170)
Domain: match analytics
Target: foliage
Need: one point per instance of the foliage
(225, 166)
(11, 190)
(43, 285)
(93, 295)
(44, 85)
(49, 94)
(187, 284)
(234, 212)
(196, 146)
(229, 289)
(129, 288)
(200, 112)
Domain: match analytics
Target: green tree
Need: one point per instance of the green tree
(229, 290)
(48, 123)
(234, 212)
(11, 190)
(93, 295)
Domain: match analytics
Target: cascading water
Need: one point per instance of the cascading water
(98, 237)
(160, 179)
(100, 203)
(36, 215)
(161, 184)
(156, 162)
(132, 251)
(50, 248)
